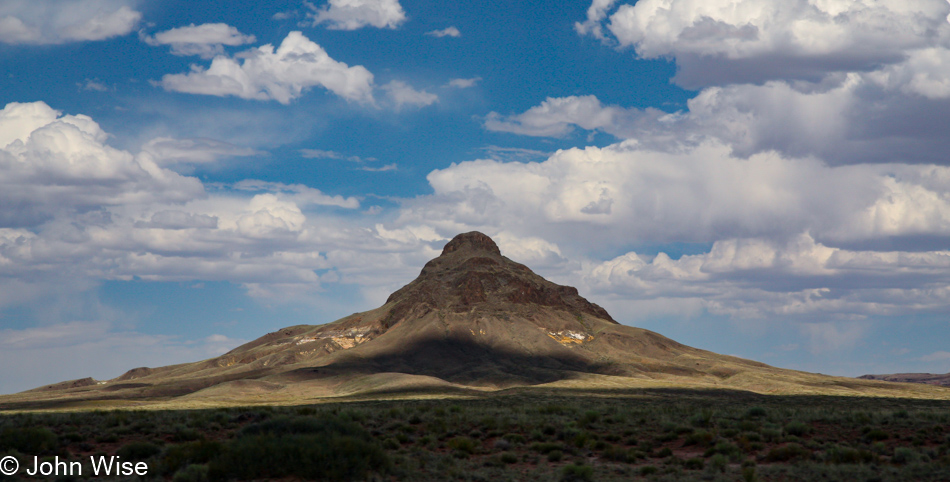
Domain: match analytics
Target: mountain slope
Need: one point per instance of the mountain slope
(473, 320)
(942, 380)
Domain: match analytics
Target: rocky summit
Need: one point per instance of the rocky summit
(472, 321)
(471, 276)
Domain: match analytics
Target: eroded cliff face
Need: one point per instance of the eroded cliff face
(472, 276)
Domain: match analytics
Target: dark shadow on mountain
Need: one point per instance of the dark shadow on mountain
(465, 362)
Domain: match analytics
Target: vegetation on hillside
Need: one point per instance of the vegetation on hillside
(650, 435)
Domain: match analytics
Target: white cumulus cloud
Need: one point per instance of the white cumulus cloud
(50, 162)
(725, 41)
(402, 94)
(264, 73)
(355, 14)
(62, 21)
(688, 193)
(299, 194)
(206, 40)
(785, 233)
(445, 32)
(798, 277)
(843, 119)
(85, 211)
(464, 83)
(167, 150)
(557, 116)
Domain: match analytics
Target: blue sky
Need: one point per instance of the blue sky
(758, 178)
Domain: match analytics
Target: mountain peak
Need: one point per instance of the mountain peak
(472, 275)
(473, 241)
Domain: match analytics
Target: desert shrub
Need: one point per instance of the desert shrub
(862, 417)
(718, 463)
(750, 437)
(325, 448)
(311, 456)
(107, 438)
(509, 458)
(725, 449)
(749, 426)
(615, 453)
(647, 470)
(581, 439)
(463, 444)
(137, 451)
(303, 425)
(694, 463)
(192, 473)
(555, 456)
(590, 417)
(306, 411)
(178, 457)
(786, 453)
(554, 409)
(664, 452)
(501, 444)
(756, 412)
(904, 455)
(488, 423)
(772, 435)
(515, 438)
(572, 473)
(797, 428)
(699, 437)
(701, 419)
(29, 440)
(683, 429)
(848, 455)
(634, 454)
(116, 419)
(185, 434)
(545, 447)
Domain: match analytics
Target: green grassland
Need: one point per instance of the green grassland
(521, 434)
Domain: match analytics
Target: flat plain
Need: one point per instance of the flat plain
(517, 434)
